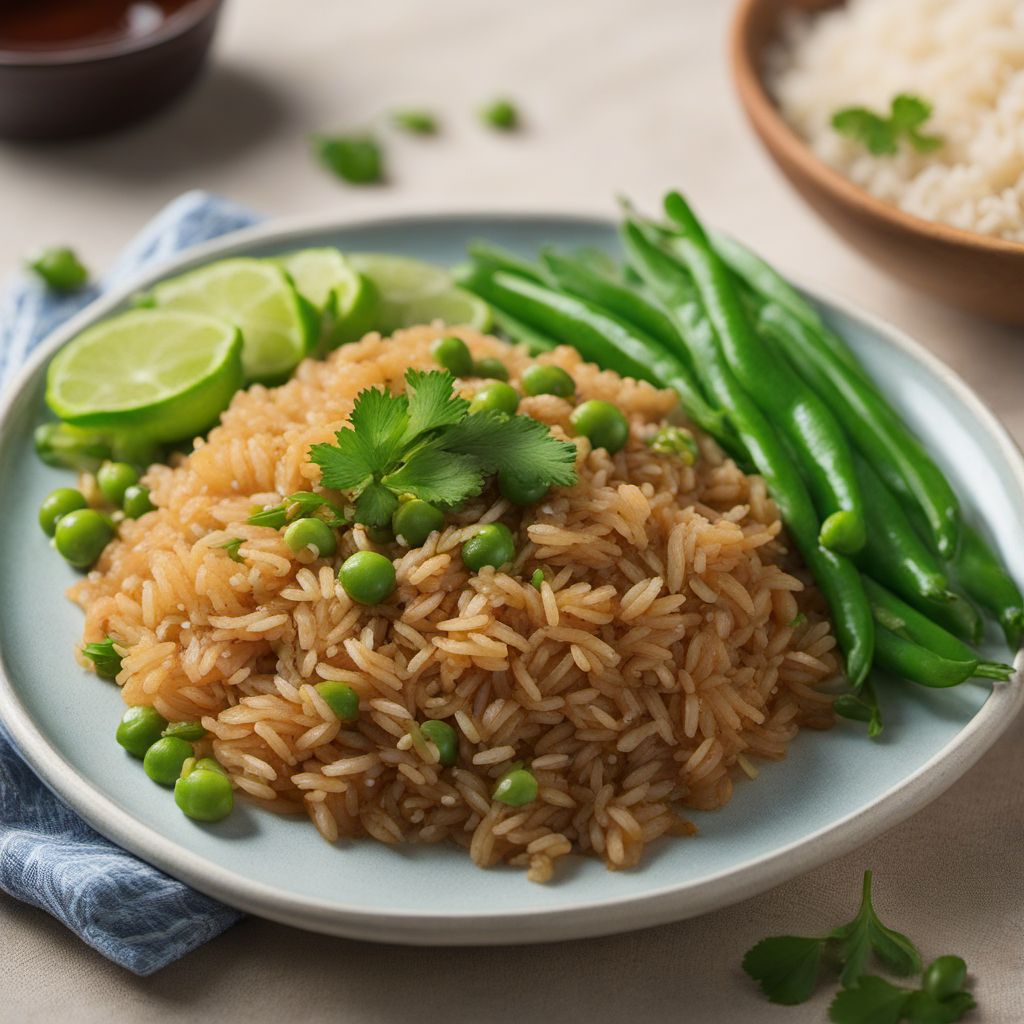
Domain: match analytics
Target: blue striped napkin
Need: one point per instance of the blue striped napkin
(129, 911)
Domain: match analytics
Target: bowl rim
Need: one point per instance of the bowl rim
(766, 118)
(173, 26)
(564, 919)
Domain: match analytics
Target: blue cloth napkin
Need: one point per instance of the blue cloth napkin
(129, 911)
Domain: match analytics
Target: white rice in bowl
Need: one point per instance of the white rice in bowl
(965, 57)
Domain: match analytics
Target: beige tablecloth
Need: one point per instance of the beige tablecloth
(618, 95)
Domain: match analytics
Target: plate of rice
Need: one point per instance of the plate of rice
(654, 653)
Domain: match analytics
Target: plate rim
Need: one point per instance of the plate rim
(563, 920)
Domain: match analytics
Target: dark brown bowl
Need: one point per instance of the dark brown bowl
(963, 268)
(52, 94)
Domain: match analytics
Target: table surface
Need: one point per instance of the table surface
(617, 96)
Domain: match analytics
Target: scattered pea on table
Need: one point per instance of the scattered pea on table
(541, 379)
(453, 354)
(492, 545)
(57, 504)
(415, 520)
(367, 577)
(602, 424)
(495, 397)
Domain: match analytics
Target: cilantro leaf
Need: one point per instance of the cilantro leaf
(104, 658)
(375, 505)
(786, 967)
(379, 420)
(907, 112)
(347, 465)
(866, 933)
(273, 516)
(356, 159)
(875, 133)
(923, 1008)
(517, 445)
(434, 474)
(432, 402)
(871, 1001)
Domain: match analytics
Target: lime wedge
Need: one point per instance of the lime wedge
(278, 327)
(347, 300)
(165, 375)
(413, 292)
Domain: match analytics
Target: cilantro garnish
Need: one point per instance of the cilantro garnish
(105, 659)
(231, 547)
(873, 1000)
(881, 135)
(787, 966)
(425, 443)
(861, 707)
(299, 505)
(356, 159)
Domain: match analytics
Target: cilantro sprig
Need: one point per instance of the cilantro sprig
(788, 967)
(104, 658)
(880, 134)
(425, 443)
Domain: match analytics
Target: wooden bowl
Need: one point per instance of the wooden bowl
(82, 90)
(974, 271)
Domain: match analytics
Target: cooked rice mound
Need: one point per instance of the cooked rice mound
(673, 640)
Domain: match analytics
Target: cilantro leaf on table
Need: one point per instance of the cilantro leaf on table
(786, 966)
(873, 1000)
(880, 134)
(357, 159)
(426, 443)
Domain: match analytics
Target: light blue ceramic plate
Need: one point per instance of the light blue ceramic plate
(835, 791)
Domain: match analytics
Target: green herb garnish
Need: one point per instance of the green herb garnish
(787, 966)
(356, 159)
(861, 707)
(873, 1000)
(678, 441)
(231, 547)
(417, 122)
(427, 444)
(296, 506)
(501, 114)
(881, 135)
(105, 659)
(60, 268)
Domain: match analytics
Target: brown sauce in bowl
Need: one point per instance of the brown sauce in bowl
(46, 25)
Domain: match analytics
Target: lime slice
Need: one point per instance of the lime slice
(165, 375)
(347, 300)
(278, 327)
(413, 292)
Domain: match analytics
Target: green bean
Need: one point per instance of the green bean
(912, 626)
(574, 277)
(835, 573)
(601, 338)
(982, 575)
(815, 437)
(520, 333)
(872, 425)
(916, 663)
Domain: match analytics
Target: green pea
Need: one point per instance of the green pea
(136, 501)
(209, 764)
(60, 268)
(453, 354)
(602, 423)
(945, 976)
(380, 534)
(537, 579)
(490, 367)
(164, 759)
(82, 535)
(444, 737)
(204, 795)
(113, 479)
(491, 545)
(139, 729)
(190, 731)
(414, 521)
(311, 532)
(59, 503)
(548, 380)
(672, 440)
(521, 491)
(341, 699)
(500, 114)
(516, 788)
(496, 397)
(368, 577)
